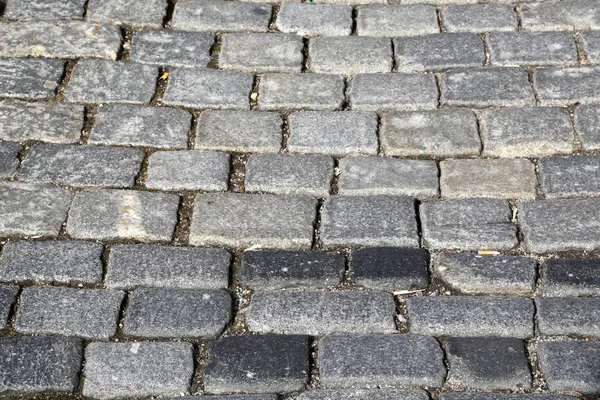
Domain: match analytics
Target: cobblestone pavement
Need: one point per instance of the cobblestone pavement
(340, 200)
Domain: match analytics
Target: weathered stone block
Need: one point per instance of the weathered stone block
(300, 92)
(171, 48)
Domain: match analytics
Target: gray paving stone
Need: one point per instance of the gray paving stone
(468, 224)
(350, 2)
(317, 313)
(349, 55)
(526, 132)
(149, 13)
(8, 295)
(208, 88)
(172, 48)
(505, 178)
(271, 396)
(438, 52)
(478, 274)
(371, 221)
(144, 265)
(479, 18)
(486, 87)
(571, 365)
(221, 16)
(302, 174)
(570, 176)
(33, 364)
(364, 394)
(44, 9)
(32, 209)
(86, 313)
(111, 214)
(503, 396)
(561, 15)
(388, 92)
(300, 92)
(277, 269)
(8, 158)
(531, 48)
(81, 166)
(315, 19)
(335, 133)
(244, 220)
(563, 86)
(188, 170)
(68, 261)
(471, 316)
(571, 277)
(470, 366)
(143, 369)
(388, 176)
(30, 78)
(102, 81)
(368, 360)
(568, 316)
(233, 365)
(396, 20)
(587, 126)
(440, 133)
(590, 43)
(132, 125)
(560, 225)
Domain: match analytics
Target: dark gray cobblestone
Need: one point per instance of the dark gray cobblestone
(532, 48)
(568, 316)
(150, 13)
(559, 87)
(29, 78)
(221, 16)
(364, 394)
(8, 295)
(571, 277)
(171, 48)
(8, 158)
(572, 176)
(479, 17)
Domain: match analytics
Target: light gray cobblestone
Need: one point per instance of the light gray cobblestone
(171, 48)
(479, 18)
(349, 55)
(391, 20)
(564, 86)
(49, 9)
(9, 161)
(590, 43)
(300, 92)
(531, 48)
(30, 78)
(8, 295)
(571, 176)
(315, 19)
(560, 15)
(221, 16)
(568, 316)
(587, 126)
(149, 13)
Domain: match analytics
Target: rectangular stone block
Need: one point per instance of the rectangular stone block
(531, 48)
(363, 394)
(315, 19)
(590, 43)
(8, 295)
(503, 396)
(568, 316)
(171, 48)
(221, 16)
(9, 161)
(30, 78)
(587, 126)
(49, 9)
(571, 277)
(149, 13)
(479, 18)
(560, 15)
(571, 176)
(349, 55)
(392, 20)
(567, 85)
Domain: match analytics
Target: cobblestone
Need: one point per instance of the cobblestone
(150, 13)
(570, 277)
(171, 48)
(9, 161)
(349, 55)
(587, 123)
(8, 295)
(531, 48)
(568, 316)
(396, 20)
(261, 52)
(570, 176)
(221, 16)
(315, 19)
(565, 86)
(363, 394)
(479, 18)
(574, 14)
(503, 396)
(590, 43)
(29, 78)
(24, 9)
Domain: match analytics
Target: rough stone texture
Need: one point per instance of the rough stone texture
(471, 316)
(531, 48)
(116, 370)
(177, 313)
(8, 158)
(563, 86)
(188, 170)
(568, 316)
(590, 43)
(8, 295)
(101, 81)
(336, 133)
(308, 175)
(567, 15)
(244, 220)
(504, 396)
(149, 13)
(315, 19)
(468, 224)
(221, 16)
(30, 78)
(571, 277)
(172, 48)
(123, 214)
(508, 178)
(573, 176)
(300, 92)
(233, 365)
(44, 9)
(69, 261)
(587, 126)
(478, 274)
(387, 176)
(364, 394)
(368, 221)
(317, 313)
(396, 20)
(479, 18)
(350, 2)
(440, 133)
(143, 265)
(470, 366)
(349, 55)
(271, 396)
(361, 360)
(86, 313)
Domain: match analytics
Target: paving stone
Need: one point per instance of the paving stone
(261, 52)
(470, 366)
(571, 365)
(233, 365)
(387, 176)
(369, 360)
(571, 277)
(149, 13)
(567, 15)
(509, 178)
(8, 158)
(568, 316)
(8, 295)
(172, 48)
(479, 18)
(486, 87)
(32, 364)
(477, 274)
(230, 396)
(569, 176)
(188, 170)
(86, 313)
(563, 86)
(131, 125)
(317, 313)
(111, 214)
(526, 132)
(531, 48)
(208, 88)
(590, 43)
(315, 19)
(440, 133)
(48, 122)
(44, 9)
(468, 224)
(81, 166)
(387, 92)
(364, 394)
(277, 269)
(244, 220)
(349, 55)
(302, 174)
(336, 133)
(351, 2)
(116, 370)
(471, 316)
(396, 20)
(144, 265)
(438, 52)
(560, 225)
(504, 396)
(371, 221)
(67, 262)
(221, 16)
(300, 92)
(32, 209)
(101, 81)
(30, 78)
(587, 126)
